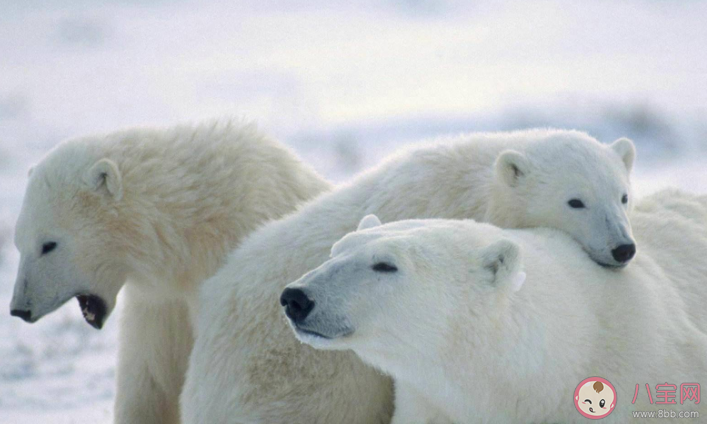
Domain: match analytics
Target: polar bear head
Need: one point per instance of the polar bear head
(571, 182)
(71, 236)
(394, 289)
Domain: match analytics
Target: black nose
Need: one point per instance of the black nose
(25, 315)
(624, 253)
(297, 304)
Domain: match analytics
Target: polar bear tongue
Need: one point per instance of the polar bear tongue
(93, 309)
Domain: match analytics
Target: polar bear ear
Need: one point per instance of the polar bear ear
(511, 167)
(626, 151)
(369, 221)
(105, 175)
(503, 260)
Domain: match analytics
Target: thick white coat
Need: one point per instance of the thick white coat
(246, 367)
(483, 325)
(157, 210)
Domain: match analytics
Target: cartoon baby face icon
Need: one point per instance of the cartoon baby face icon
(595, 398)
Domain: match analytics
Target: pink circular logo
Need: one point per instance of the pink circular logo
(595, 398)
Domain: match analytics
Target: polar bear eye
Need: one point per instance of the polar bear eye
(624, 199)
(48, 247)
(384, 267)
(576, 204)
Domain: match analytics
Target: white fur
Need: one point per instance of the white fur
(247, 367)
(157, 210)
(465, 346)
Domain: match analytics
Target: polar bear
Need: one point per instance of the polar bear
(479, 324)
(156, 210)
(247, 367)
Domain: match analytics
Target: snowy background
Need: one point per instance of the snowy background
(344, 85)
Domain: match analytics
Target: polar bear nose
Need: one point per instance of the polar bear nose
(297, 304)
(25, 315)
(624, 253)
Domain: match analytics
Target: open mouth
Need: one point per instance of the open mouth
(93, 309)
(591, 410)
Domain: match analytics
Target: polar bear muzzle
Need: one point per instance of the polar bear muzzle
(299, 309)
(624, 253)
(25, 315)
(297, 304)
(93, 309)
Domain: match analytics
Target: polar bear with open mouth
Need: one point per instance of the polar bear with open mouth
(155, 211)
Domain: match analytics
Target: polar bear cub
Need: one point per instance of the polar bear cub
(479, 324)
(157, 211)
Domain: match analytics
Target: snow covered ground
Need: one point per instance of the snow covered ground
(344, 85)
